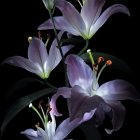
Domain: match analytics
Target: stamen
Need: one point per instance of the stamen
(91, 57)
(100, 59)
(37, 125)
(48, 38)
(101, 71)
(49, 108)
(29, 39)
(31, 106)
(40, 106)
(80, 2)
(108, 62)
(83, 1)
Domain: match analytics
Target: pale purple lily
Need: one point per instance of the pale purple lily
(51, 133)
(39, 61)
(86, 94)
(87, 22)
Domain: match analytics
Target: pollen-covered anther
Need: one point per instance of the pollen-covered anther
(29, 39)
(49, 108)
(108, 62)
(100, 59)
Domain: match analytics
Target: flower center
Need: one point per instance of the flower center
(96, 69)
(43, 117)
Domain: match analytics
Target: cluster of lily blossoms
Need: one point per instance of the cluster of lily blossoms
(86, 98)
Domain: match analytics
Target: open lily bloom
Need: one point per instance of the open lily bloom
(51, 133)
(39, 61)
(87, 22)
(86, 94)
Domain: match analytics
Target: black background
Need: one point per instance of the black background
(119, 36)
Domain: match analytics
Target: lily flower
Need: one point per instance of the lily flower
(50, 132)
(87, 22)
(39, 61)
(85, 94)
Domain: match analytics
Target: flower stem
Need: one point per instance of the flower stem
(85, 47)
(59, 47)
(58, 41)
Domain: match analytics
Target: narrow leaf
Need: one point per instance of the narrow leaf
(21, 84)
(22, 103)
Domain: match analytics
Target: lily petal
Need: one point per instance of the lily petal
(118, 90)
(118, 111)
(60, 23)
(51, 126)
(79, 73)
(23, 63)
(65, 92)
(31, 134)
(91, 11)
(100, 116)
(71, 14)
(81, 103)
(43, 134)
(116, 8)
(67, 125)
(54, 53)
(37, 53)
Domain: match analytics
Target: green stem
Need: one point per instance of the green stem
(85, 48)
(58, 41)
(59, 47)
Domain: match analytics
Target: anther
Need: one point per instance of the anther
(37, 125)
(108, 62)
(30, 105)
(49, 108)
(29, 39)
(100, 59)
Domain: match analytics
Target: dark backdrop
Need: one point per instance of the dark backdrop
(119, 36)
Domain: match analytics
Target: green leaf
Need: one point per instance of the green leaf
(117, 63)
(21, 84)
(90, 131)
(22, 103)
